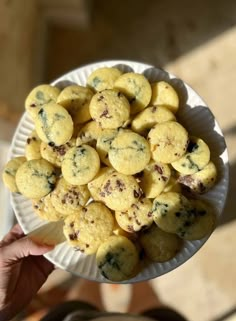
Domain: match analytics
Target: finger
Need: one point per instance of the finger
(22, 248)
(14, 234)
(16, 229)
(45, 266)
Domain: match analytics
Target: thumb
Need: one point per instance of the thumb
(22, 248)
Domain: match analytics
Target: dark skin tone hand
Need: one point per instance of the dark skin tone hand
(23, 270)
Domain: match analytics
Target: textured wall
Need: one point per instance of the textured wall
(16, 53)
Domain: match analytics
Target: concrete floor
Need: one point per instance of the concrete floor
(196, 41)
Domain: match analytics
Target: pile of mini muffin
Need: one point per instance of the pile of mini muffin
(113, 162)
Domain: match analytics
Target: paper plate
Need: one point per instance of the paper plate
(193, 114)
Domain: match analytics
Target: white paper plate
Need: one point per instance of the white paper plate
(193, 114)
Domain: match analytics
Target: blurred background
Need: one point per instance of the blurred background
(42, 39)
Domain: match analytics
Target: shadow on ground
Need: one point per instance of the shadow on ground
(155, 32)
(229, 213)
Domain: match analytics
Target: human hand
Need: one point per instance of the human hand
(23, 270)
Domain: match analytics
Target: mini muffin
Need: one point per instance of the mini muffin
(110, 108)
(154, 178)
(95, 185)
(39, 96)
(55, 154)
(103, 78)
(35, 178)
(104, 143)
(203, 225)
(54, 125)
(80, 165)
(89, 134)
(117, 230)
(172, 211)
(172, 185)
(120, 191)
(32, 147)
(168, 142)
(164, 94)
(129, 153)
(137, 217)
(117, 258)
(202, 181)
(67, 198)
(45, 210)
(149, 117)
(160, 246)
(76, 100)
(196, 158)
(89, 227)
(137, 88)
(77, 128)
(9, 173)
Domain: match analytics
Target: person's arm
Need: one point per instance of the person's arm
(23, 270)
